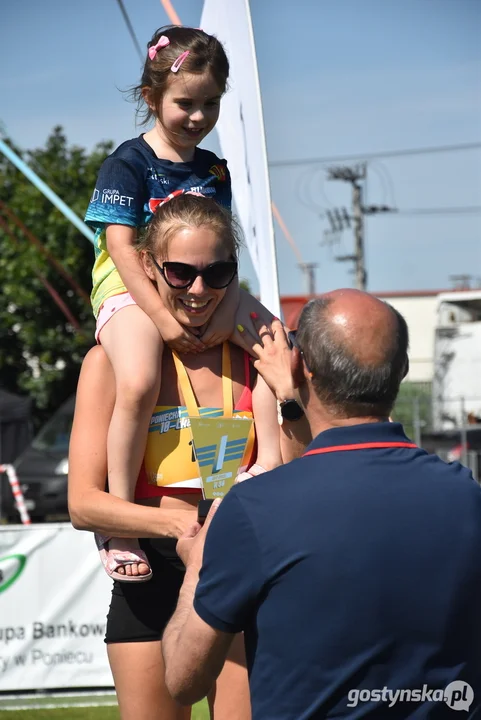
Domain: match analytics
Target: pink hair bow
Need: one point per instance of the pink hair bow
(163, 41)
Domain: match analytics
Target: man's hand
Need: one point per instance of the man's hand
(190, 545)
(194, 652)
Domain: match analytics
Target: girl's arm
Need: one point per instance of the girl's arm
(90, 506)
(121, 246)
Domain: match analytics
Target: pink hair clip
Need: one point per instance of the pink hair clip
(177, 63)
(163, 41)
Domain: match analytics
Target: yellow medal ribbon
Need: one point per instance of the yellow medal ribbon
(221, 444)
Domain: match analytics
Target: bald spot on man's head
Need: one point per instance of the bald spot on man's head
(364, 325)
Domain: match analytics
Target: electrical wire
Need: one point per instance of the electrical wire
(130, 29)
(384, 154)
(439, 211)
(386, 181)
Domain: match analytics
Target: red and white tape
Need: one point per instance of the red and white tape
(9, 470)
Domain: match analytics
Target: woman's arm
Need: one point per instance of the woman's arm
(277, 444)
(295, 437)
(264, 409)
(90, 506)
(274, 366)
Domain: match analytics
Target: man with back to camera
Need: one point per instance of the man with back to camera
(354, 571)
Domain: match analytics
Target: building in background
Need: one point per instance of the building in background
(457, 360)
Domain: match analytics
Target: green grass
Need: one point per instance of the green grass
(200, 712)
(100, 713)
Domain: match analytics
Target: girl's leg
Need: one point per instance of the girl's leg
(138, 671)
(134, 347)
(231, 699)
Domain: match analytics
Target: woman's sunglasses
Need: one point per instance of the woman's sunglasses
(181, 276)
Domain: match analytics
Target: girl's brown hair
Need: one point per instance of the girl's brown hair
(187, 211)
(205, 53)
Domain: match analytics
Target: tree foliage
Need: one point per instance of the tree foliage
(40, 350)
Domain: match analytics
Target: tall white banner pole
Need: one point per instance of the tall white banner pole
(242, 139)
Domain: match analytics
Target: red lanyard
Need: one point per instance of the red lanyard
(360, 446)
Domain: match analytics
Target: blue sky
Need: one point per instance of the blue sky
(338, 77)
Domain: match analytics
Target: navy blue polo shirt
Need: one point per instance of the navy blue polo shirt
(350, 570)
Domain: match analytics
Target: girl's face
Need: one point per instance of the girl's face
(189, 109)
(198, 247)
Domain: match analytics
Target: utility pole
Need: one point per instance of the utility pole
(308, 270)
(354, 175)
(358, 220)
(461, 282)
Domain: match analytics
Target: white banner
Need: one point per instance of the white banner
(241, 135)
(54, 598)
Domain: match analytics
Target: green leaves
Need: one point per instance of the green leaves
(40, 351)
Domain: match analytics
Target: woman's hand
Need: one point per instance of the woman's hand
(190, 546)
(181, 521)
(250, 318)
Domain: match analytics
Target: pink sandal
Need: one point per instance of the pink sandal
(112, 560)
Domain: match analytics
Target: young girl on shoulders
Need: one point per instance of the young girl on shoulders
(184, 77)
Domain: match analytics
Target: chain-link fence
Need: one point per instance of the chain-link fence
(462, 442)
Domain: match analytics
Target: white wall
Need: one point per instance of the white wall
(458, 384)
(419, 311)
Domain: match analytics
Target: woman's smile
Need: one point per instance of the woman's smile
(194, 306)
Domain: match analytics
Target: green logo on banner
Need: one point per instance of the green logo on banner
(11, 567)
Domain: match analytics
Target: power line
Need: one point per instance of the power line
(373, 155)
(441, 211)
(130, 29)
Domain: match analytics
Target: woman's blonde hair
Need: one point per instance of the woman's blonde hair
(189, 211)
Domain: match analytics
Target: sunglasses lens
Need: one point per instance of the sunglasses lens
(178, 275)
(220, 274)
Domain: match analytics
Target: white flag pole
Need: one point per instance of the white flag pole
(242, 139)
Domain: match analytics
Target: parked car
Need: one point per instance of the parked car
(42, 471)
(452, 445)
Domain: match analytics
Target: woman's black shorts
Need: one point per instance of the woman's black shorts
(139, 612)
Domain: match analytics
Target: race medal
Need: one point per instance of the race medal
(219, 446)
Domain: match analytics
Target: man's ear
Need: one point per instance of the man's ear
(297, 368)
(406, 367)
